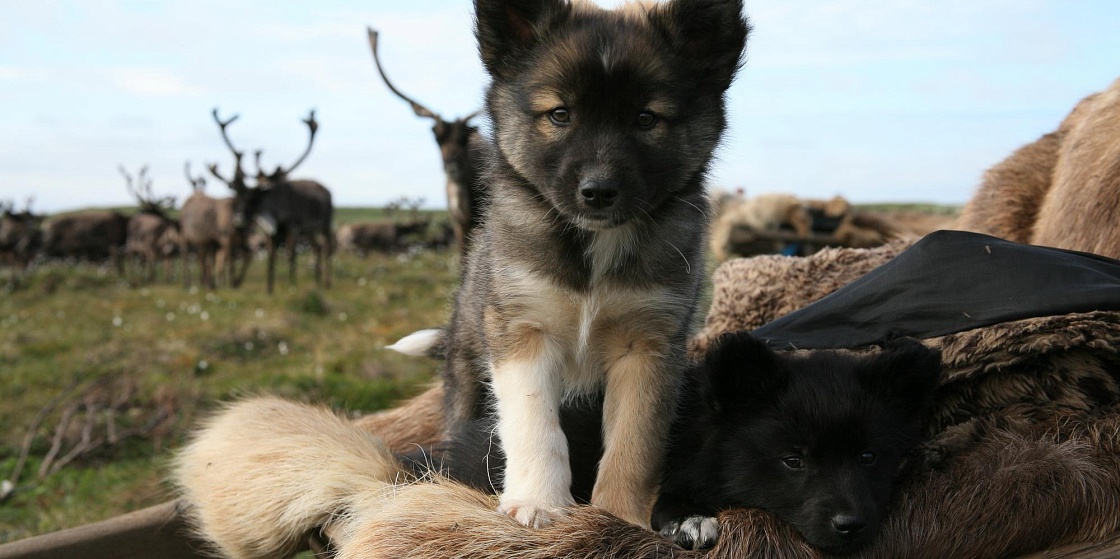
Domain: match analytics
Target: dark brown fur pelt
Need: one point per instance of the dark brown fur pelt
(1062, 190)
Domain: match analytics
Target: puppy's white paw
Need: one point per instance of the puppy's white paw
(530, 514)
(693, 532)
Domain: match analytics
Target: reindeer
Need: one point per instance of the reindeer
(152, 234)
(207, 227)
(93, 236)
(364, 238)
(21, 236)
(385, 236)
(417, 223)
(462, 148)
(284, 209)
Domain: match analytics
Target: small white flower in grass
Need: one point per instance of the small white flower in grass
(170, 316)
(259, 313)
(362, 281)
(160, 303)
(204, 315)
(248, 346)
(117, 321)
(193, 290)
(283, 347)
(203, 365)
(342, 317)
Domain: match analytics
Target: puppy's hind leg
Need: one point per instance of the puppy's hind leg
(527, 386)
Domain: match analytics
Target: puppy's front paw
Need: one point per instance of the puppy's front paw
(530, 514)
(693, 532)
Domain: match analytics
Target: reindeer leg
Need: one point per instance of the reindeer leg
(328, 244)
(271, 262)
(292, 256)
(184, 259)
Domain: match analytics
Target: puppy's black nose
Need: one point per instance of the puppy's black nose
(848, 524)
(599, 193)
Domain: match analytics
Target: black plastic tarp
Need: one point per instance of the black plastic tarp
(951, 281)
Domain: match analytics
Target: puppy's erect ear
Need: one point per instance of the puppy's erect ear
(710, 33)
(907, 370)
(508, 29)
(738, 368)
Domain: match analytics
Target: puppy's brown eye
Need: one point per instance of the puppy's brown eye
(867, 458)
(794, 462)
(646, 119)
(560, 116)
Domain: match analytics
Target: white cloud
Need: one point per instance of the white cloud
(16, 74)
(302, 32)
(153, 82)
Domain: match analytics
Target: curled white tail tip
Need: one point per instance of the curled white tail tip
(419, 343)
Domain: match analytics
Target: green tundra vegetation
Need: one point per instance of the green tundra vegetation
(150, 360)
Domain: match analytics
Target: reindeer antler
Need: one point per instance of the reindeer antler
(222, 125)
(196, 184)
(313, 127)
(417, 108)
(137, 189)
(238, 181)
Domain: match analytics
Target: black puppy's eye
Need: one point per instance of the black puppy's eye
(646, 119)
(868, 458)
(560, 116)
(793, 462)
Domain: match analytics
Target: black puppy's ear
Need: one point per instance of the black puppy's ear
(906, 370)
(710, 34)
(508, 29)
(739, 367)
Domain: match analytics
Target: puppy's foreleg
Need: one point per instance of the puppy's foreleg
(527, 387)
(637, 412)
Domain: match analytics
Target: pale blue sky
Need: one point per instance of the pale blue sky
(876, 100)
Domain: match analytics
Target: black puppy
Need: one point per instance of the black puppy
(815, 438)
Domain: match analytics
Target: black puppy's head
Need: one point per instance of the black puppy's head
(817, 439)
(606, 114)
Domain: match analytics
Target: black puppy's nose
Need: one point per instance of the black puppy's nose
(599, 193)
(848, 524)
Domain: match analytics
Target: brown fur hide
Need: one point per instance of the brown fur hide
(1062, 190)
(1024, 452)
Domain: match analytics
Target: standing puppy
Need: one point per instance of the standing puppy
(585, 275)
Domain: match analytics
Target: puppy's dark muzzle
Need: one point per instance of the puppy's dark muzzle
(599, 194)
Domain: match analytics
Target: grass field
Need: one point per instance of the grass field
(155, 358)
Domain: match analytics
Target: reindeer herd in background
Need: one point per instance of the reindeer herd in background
(269, 208)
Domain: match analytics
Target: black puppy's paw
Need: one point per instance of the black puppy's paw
(693, 532)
